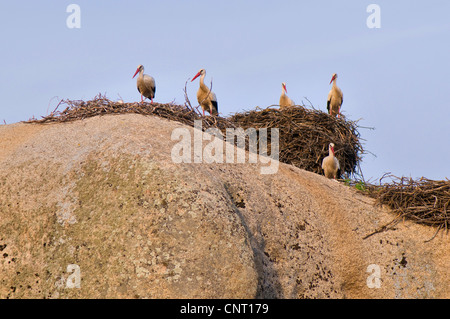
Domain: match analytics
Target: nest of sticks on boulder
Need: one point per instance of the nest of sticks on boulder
(423, 201)
(100, 105)
(304, 134)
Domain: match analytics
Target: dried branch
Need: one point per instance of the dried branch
(186, 97)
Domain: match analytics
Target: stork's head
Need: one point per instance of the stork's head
(334, 77)
(331, 148)
(283, 85)
(201, 72)
(139, 69)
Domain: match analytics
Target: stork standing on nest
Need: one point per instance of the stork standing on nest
(285, 101)
(206, 98)
(335, 98)
(145, 84)
(330, 164)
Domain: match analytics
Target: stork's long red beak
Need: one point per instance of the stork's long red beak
(137, 71)
(196, 76)
(332, 79)
(284, 87)
(332, 149)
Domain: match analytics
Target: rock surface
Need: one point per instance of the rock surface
(100, 200)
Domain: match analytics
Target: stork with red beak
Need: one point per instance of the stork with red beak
(285, 101)
(330, 164)
(335, 98)
(145, 84)
(206, 98)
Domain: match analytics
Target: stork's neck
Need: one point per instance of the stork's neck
(202, 83)
(334, 83)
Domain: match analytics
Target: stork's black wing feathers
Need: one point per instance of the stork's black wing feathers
(215, 106)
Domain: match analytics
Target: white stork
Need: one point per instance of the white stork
(335, 98)
(206, 98)
(285, 101)
(330, 164)
(145, 84)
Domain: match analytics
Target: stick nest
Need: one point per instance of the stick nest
(305, 135)
(100, 105)
(423, 201)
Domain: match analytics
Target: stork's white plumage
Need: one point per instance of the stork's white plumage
(330, 164)
(206, 98)
(335, 98)
(285, 101)
(145, 84)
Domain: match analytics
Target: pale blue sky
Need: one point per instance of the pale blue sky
(395, 79)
